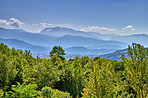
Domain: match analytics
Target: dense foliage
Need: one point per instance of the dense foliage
(22, 76)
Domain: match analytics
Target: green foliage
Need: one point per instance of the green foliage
(58, 51)
(72, 78)
(24, 91)
(137, 52)
(43, 73)
(136, 70)
(100, 82)
(1, 93)
(48, 92)
(23, 76)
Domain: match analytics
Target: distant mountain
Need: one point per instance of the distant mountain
(115, 47)
(75, 43)
(69, 41)
(18, 44)
(136, 38)
(61, 31)
(115, 55)
(79, 50)
(32, 38)
(46, 40)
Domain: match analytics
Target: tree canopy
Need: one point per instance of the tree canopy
(23, 76)
(57, 51)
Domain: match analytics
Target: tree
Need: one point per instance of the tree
(48, 92)
(100, 83)
(24, 91)
(57, 51)
(136, 70)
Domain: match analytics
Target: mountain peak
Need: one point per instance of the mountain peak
(61, 31)
(55, 29)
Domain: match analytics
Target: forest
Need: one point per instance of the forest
(23, 76)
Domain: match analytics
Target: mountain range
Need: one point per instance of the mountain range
(138, 38)
(48, 40)
(61, 31)
(73, 41)
(67, 40)
(18, 44)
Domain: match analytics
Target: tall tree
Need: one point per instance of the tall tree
(57, 51)
(136, 69)
(100, 83)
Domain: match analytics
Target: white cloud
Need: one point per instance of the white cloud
(132, 29)
(42, 24)
(129, 27)
(4, 22)
(12, 22)
(96, 29)
(34, 24)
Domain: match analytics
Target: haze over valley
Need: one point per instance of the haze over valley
(75, 43)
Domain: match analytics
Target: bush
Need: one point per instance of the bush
(24, 91)
(48, 92)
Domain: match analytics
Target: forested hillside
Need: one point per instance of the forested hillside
(22, 76)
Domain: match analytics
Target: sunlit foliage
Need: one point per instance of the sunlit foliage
(23, 76)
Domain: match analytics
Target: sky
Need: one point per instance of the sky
(122, 17)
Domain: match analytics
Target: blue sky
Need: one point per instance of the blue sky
(123, 17)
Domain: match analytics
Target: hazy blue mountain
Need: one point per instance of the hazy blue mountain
(48, 41)
(115, 47)
(76, 43)
(79, 50)
(136, 38)
(18, 44)
(35, 41)
(61, 31)
(115, 55)
(69, 41)
(32, 38)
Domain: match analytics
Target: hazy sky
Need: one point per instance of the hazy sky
(104, 16)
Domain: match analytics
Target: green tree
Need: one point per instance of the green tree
(58, 51)
(136, 70)
(100, 83)
(24, 91)
(48, 92)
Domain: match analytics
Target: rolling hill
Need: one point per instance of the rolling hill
(18, 44)
(115, 55)
(70, 41)
(136, 38)
(79, 50)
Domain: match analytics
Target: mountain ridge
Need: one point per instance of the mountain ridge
(135, 38)
(49, 41)
(18, 44)
(115, 55)
(61, 31)
(84, 44)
